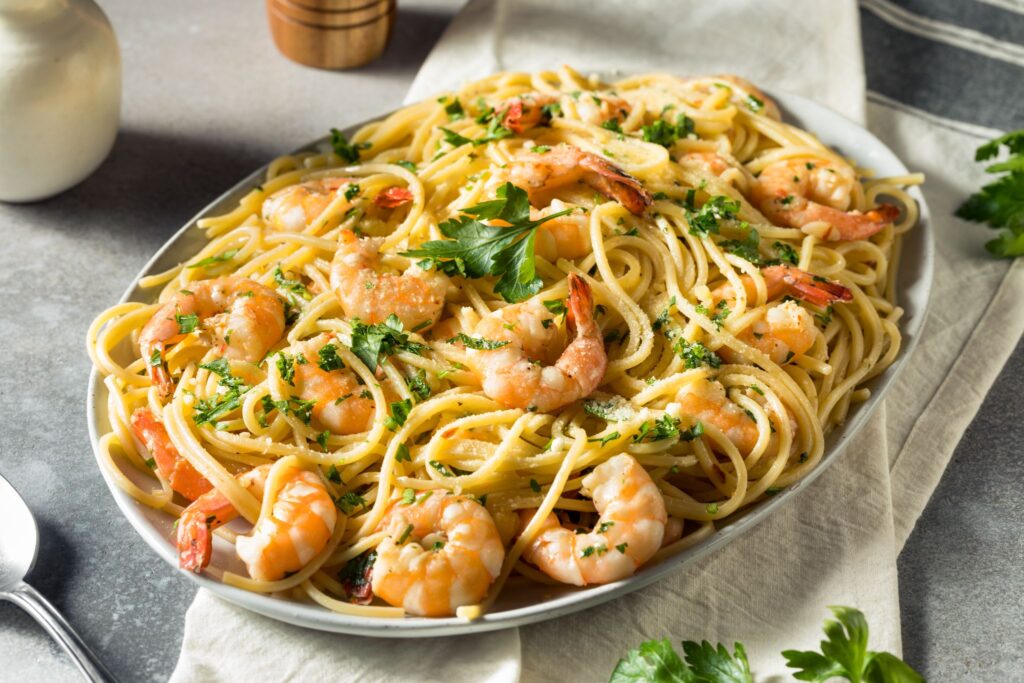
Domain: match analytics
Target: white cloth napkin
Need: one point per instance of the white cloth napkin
(837, 542)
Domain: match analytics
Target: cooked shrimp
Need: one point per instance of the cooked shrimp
(707, 401)
(339, 406)
(178, 471)
(244, 317)
(628, 533)
(511, 374)
(440, 553)
(563, 237)
(565, 164)
(796, 192)
(781, 280)
(295, 529)
(785, 330)
(519, 114)
(293, 208)
(415, 296)
(206, 513)
(709, 161)
(597, 109)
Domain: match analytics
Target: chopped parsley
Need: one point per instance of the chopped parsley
(285, 365)
(399, 414)
(328, 358)
(556, 306)
(348, 502)
(407, 165)
(213, 260)
(402, 453)
(705, 221)
(612, 125)
(440, 467)
(333, 475)
(694, 354)
(477, 343)
(454, 110)
(187, 323)
(293, 288)
(755, 104)
(606, 439)
(408, 497)
(418, 384)
(534, 486)
(352, 191)
(343, 148)
(370, 342)
(663, 133)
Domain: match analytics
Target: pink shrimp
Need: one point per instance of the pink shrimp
(179, 472)
(565, 165)
(509, 372)
(796, 192)
(244, 317)
(627, 534)
(440, 553)
(415, 296)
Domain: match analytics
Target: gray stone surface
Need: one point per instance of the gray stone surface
(207, 99)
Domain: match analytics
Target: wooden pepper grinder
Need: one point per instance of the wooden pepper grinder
(331, 34)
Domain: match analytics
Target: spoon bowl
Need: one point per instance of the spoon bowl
(19, 538)
(19, 543)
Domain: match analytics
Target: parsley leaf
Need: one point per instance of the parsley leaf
(454, 110)
(209, 410)
(186, 323)
(705, 221)
(399, 414)
(477, 343)
(1000, 204)
(716, 665)
(663, 133)
(615, 409)
(475, 249)
(217, 258)
(294, 288)
(329, 358)
(418, 384)
(695, 354)
(370, 342)
(654, 661)
(343, 148)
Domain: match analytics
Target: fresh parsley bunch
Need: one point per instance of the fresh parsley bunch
(1000, 204)
(844, 654)
(475, 249)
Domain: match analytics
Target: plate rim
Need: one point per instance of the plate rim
(319, 618)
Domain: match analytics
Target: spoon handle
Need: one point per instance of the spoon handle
(30, 600)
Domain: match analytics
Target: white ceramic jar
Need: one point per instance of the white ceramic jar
(60, 95)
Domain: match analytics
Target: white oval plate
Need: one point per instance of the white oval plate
(528, 605)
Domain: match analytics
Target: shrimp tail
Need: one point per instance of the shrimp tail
(393, 197)
(159, 375)
(179, 472)
(195, 543)
(810, 288)
(616, 184)
(581, 304)
(884, 214)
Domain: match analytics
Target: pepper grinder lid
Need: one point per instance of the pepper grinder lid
(331, 34)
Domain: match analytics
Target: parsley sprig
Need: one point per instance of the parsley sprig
(844, 654)
(475, 249)
(1000, 204)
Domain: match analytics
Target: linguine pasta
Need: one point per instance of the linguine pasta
(653, 278)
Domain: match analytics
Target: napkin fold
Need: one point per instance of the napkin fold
(837, 542)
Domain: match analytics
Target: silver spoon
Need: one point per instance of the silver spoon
(19, 541)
